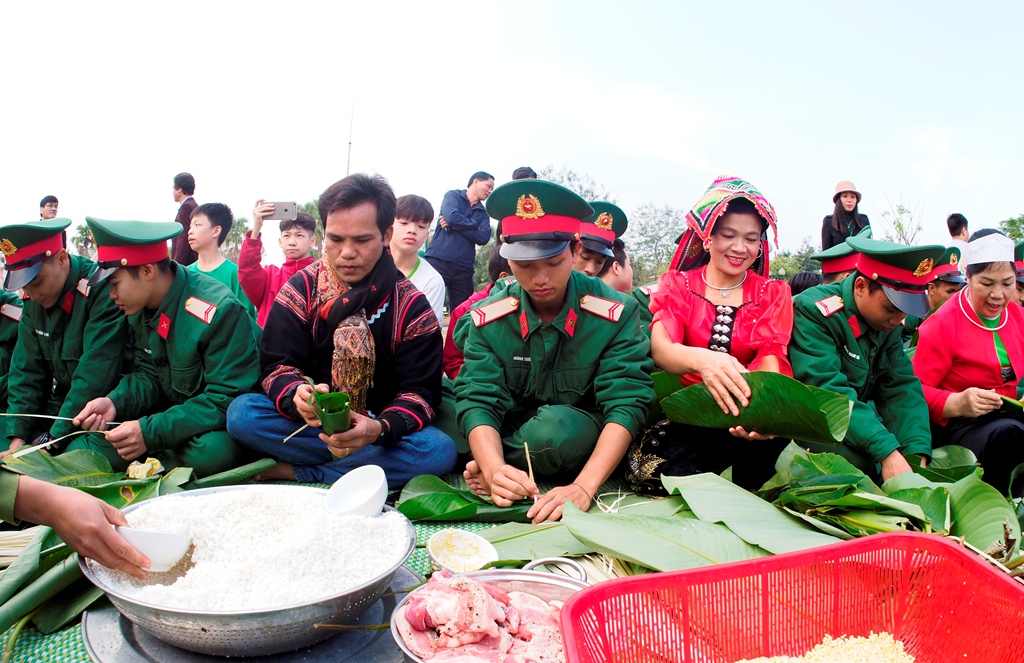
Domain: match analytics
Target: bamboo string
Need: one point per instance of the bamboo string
(22, 452)
(297, 431)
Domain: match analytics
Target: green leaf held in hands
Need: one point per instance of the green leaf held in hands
(428, 498)
(779, 405)
(81, 467)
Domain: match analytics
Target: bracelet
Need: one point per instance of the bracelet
(589, 496)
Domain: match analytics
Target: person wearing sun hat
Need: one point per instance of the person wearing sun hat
(71, 337)
(555, 359)
(840, 261)
(846, 339)
(970, 355)
(846, 219)
(597, 236)
(947, 280)
(195, 349)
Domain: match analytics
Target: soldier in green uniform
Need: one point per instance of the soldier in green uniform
(10, 315)
(947, 280)
(846, 338)
(195, 351)
(555, 360)
(1018, 262)
(71, 338)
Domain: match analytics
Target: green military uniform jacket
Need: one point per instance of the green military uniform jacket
(642, 295)
(835, 349)
(10, 314)
(8, 493)
(592, 356)
(79, 343)
(192, 357)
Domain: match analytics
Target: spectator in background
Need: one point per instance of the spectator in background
(803, 281)
(618, 271)
(497, 268)
(957, 225)
(524, 173)
(413, 215)
(184, 187)
(210, 225)
(462, 225)
(261, 284)
(845, 221)
(48, 208)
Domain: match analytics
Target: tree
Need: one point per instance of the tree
(83, 242)
(904, 223)
(1013, 228)
(583, 185)
(481, 276)
(651, 240)
(233, 244)
(313, 210)
(787, 263)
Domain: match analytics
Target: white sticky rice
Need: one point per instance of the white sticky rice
(263, 548)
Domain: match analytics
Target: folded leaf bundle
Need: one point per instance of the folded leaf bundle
(779, 405)
(427, 498)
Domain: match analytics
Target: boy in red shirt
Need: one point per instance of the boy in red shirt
(261, 284)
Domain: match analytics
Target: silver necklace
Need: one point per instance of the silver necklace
(723, 292)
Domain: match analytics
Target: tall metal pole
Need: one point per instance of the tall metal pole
(351, 123)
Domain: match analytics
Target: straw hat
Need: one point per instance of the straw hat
(843, 187)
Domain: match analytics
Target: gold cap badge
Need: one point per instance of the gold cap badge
(528, 207)
(604, 221)
(8, 247)
(953, 259)
(924, 267)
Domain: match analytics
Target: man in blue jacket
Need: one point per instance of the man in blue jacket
(461, 226)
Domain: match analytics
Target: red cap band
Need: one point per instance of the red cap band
(133, 255)
(914, 282)
(549, 223)
(53, 244)
(591, 230)
(1019, 264)
(842, 264)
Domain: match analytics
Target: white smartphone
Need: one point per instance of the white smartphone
(283, 211)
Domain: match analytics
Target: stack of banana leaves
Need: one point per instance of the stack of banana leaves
(814, 499)
(43, 583)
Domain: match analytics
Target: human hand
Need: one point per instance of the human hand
(259, 212)
(301, 401)
(127, 440)
(722, 375)
(509, 484)
(974, 402)
(82, 521)
(96, 414)
(549, 505)
(16, 443)
(441, 222)
(893, 465)
(739, 432)
(364, 431)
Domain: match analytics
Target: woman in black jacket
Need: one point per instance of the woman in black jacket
(845, 221)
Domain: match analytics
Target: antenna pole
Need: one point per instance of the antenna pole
(352, 121)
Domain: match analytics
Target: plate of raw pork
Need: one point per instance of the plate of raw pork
(494, 616)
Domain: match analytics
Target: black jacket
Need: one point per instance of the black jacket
(830, 236)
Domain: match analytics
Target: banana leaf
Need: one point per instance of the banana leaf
(821, 525)
(715, 500)
(39, 591)
(934, 503)
(807, 470)
(948, 464)
(665, 384)
(880, 503)
(779, 405)
(232, 477)
(81, 467)
(26, 564)
(659, 543)
(864, 522)
(60, 610)
(427, 498)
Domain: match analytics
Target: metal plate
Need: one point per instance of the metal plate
(111, 638)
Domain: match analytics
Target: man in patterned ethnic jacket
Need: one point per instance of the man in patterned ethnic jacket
(352, 323)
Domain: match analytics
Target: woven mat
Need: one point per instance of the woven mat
(66, 646)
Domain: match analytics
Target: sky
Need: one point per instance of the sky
(917, 103)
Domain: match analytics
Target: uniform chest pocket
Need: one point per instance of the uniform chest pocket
(577, 380)
(187, 380)
(71, 349)
(517, 377)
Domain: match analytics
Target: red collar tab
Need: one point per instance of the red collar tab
(895, 277)
(854, 325)
(570, 323)
(164, 326)
(524, 325)
(132, 255)
(69, 302)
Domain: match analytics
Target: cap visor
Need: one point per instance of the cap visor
(956, 278)
(19, 278)
(911, 303)
(596, 247)
(101, 274)
(532, 250)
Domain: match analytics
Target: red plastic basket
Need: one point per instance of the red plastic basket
(940, 600)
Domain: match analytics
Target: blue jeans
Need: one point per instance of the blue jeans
(254, 422)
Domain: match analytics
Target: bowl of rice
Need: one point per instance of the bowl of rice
(267, 562)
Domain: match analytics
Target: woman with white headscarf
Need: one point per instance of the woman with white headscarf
(971, 352)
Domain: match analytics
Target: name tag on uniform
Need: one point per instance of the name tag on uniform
(851, 354)
(40, 332)
(526, 359)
